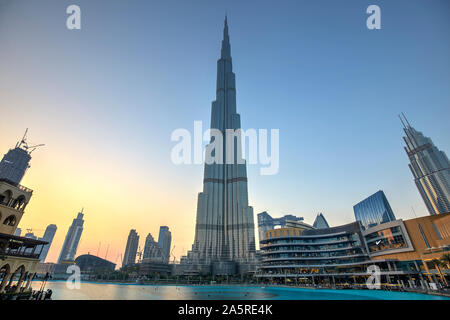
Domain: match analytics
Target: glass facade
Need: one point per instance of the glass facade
(320, 222)
(266, 222)
(430, 168)
(373, 210)
(340, 256)
(386, 239)
(13, 165)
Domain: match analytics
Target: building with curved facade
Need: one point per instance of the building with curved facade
(403, 251)
(331, 256)
(92, 264)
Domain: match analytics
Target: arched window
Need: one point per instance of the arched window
(4, 273)
(10, 221)
(20, 271)
(5, 197)
(19, 202)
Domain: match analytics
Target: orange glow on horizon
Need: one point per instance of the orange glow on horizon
(115, 199)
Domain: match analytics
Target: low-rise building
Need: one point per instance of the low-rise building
(415, 244)
(404, 253)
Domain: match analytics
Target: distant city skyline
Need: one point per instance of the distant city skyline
(332, 87)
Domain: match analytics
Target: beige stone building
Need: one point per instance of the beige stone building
(19, 256)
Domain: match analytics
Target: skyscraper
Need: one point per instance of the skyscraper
(70, 246)
(373, 210)
(18, 232)
(152, 249)
(164, 241)
(16, 162)
(430, 168)
(48, 237)
(224, 229)
(266, 222)
(131, 249)
(320, 222)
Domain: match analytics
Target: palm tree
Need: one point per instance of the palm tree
(438, 263)
(445, 259)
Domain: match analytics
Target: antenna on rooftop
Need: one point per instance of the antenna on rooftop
(412, 208)
(404, 126)
(406, 119)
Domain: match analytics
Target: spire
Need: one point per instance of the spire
(404, 117)
(226, 50)
(403, 123)
(225, 31)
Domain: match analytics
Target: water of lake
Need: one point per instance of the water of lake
(108, 291)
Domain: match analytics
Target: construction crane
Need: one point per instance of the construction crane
(139, 255)
(118, 256)
(23, 144)
(107, 249)
(171, 253)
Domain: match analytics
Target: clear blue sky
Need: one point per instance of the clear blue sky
(140, 69)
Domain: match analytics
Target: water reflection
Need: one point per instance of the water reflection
(108, 291)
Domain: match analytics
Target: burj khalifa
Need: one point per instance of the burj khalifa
(225, 231)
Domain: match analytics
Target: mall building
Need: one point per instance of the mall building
(405, 253)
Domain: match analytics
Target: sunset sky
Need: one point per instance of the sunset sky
(105, 100)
